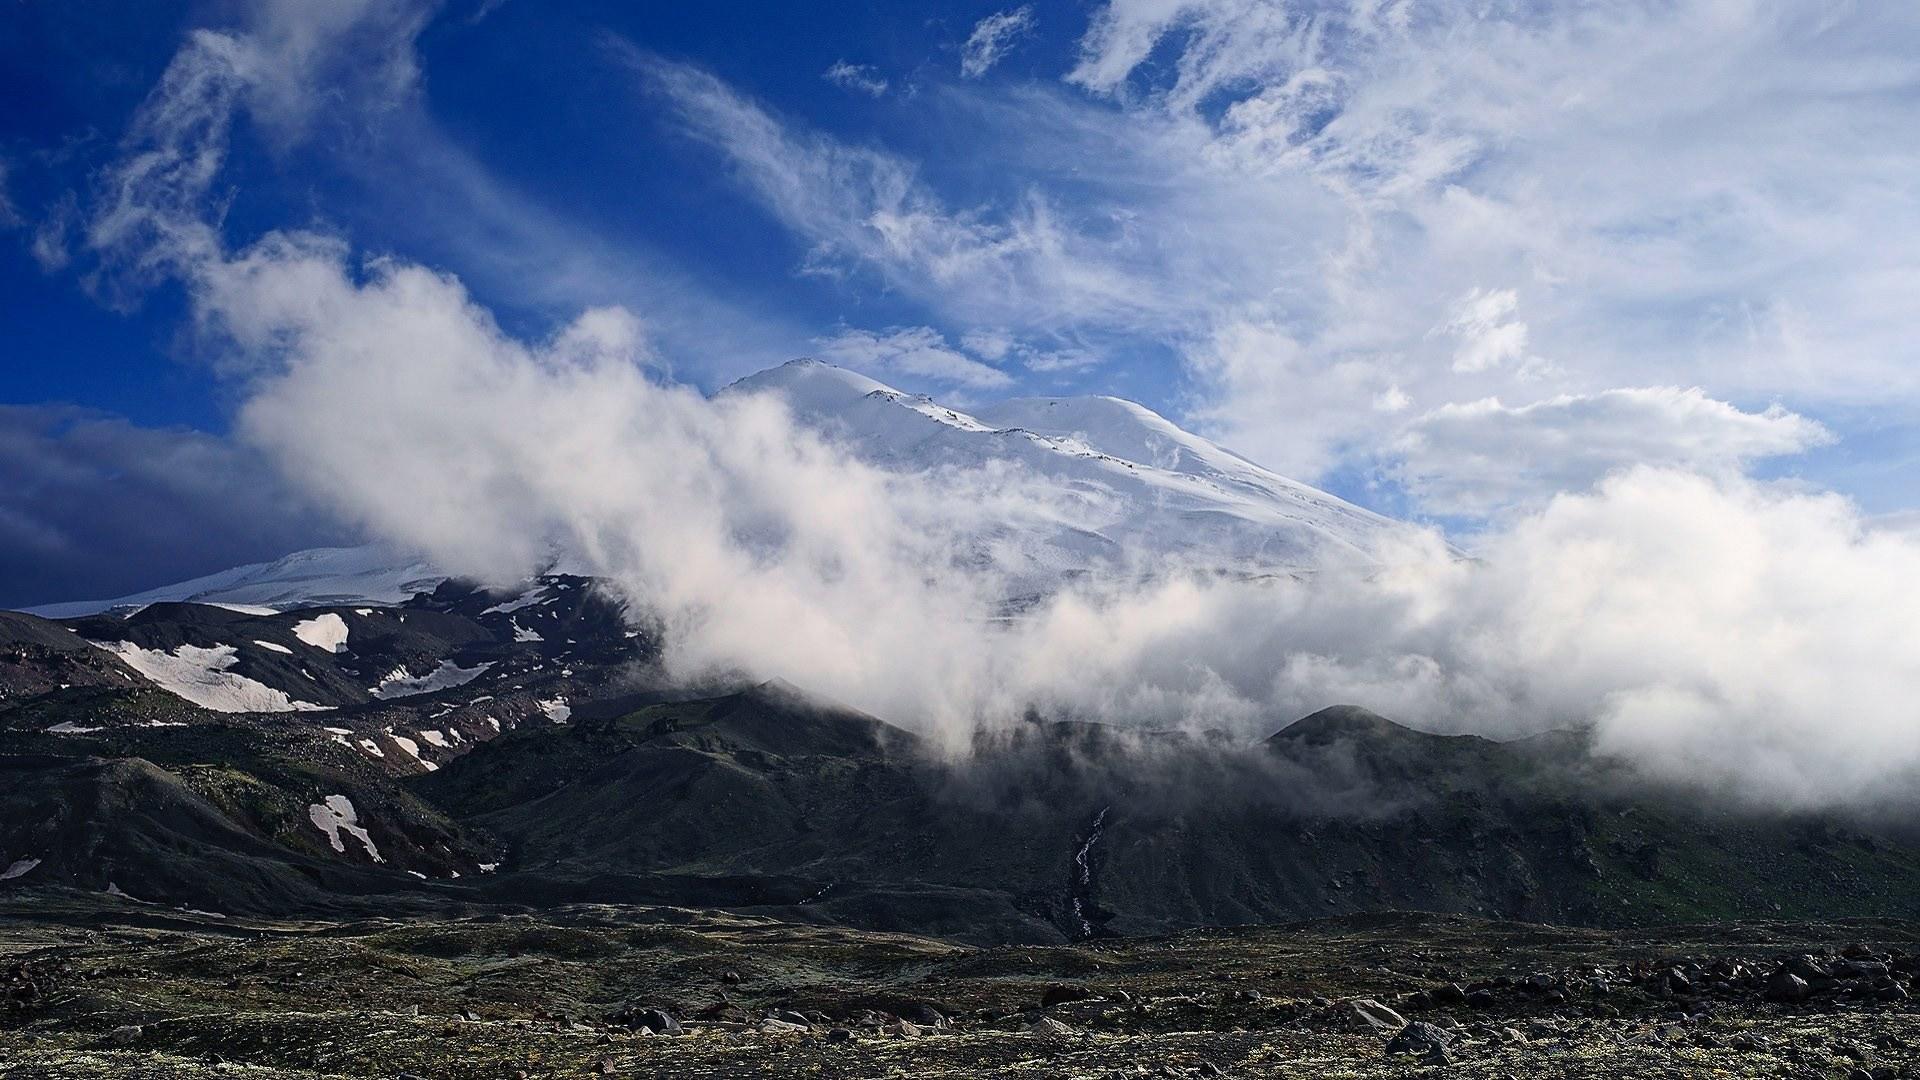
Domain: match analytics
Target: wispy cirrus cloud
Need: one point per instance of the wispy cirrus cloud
(863, 78)
(992, 38)
(864, 209)
(916, 350)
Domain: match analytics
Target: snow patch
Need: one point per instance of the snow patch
(526, 599)
(19, 869)
(68, 727)
(201, 676)
(327, 632)
(335, 816)
(401, 683)
(557, 710)
(274, 647)
(245, 609)
(413, 750)
(435, 738)
(372, 747)
(521, 633)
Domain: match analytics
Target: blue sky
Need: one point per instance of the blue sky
(1447, 263)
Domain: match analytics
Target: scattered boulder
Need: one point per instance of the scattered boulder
(1047, 1025)
(647, 1018)
(925, 1015)
(1061, 994)
(1806, 968)
(1784, 986)
(1367, 1012)
(902, 1029)
(1420, 1038)
(124, 1035)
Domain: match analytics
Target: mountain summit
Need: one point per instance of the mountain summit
(1110, 482)
(1127, 482)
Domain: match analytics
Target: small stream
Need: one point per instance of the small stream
(1080, 890)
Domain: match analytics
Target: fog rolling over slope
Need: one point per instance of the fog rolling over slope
(1120, 487)
(1116, 489)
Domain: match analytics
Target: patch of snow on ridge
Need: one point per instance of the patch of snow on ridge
(275, 648)
(335, 816)
(521, 633)
(526, 599)
(557, 710)
(68, 727)
(201, 677)
(327, 632)
(19, 869)
(402, 683)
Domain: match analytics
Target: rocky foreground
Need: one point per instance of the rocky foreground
(130, 991)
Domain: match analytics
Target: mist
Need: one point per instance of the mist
(1751, 639)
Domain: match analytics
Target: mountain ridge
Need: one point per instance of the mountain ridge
(1123, 485)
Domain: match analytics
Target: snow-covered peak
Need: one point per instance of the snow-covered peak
(1134, 484)
(1117, 483)
(368, 574)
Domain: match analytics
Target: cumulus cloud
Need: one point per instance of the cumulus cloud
(1753, 639)
(1474, 458)
(916, 350)
(992, 38)
(1665, 218)
(864, 78)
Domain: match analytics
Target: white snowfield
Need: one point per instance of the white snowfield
(335, 816)
(401, 683)
(1118, 480)
(327, 632)
(317, 577)
(1115, 482)
(201, 676)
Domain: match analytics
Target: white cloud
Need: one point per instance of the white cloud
(992, 38)
(1477, 457)
(991, 345)
(9, 217)
(1720, 633)
(864, 78)
(1488, 334)
(1686, 192)
(863, 208)
(52, 238)
(916, 350)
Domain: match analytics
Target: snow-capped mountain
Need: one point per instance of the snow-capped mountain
(1119, 479)
(368, 574)
(1112, 481)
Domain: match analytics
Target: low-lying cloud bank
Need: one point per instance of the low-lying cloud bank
(1746, 637)
(1716, 630)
